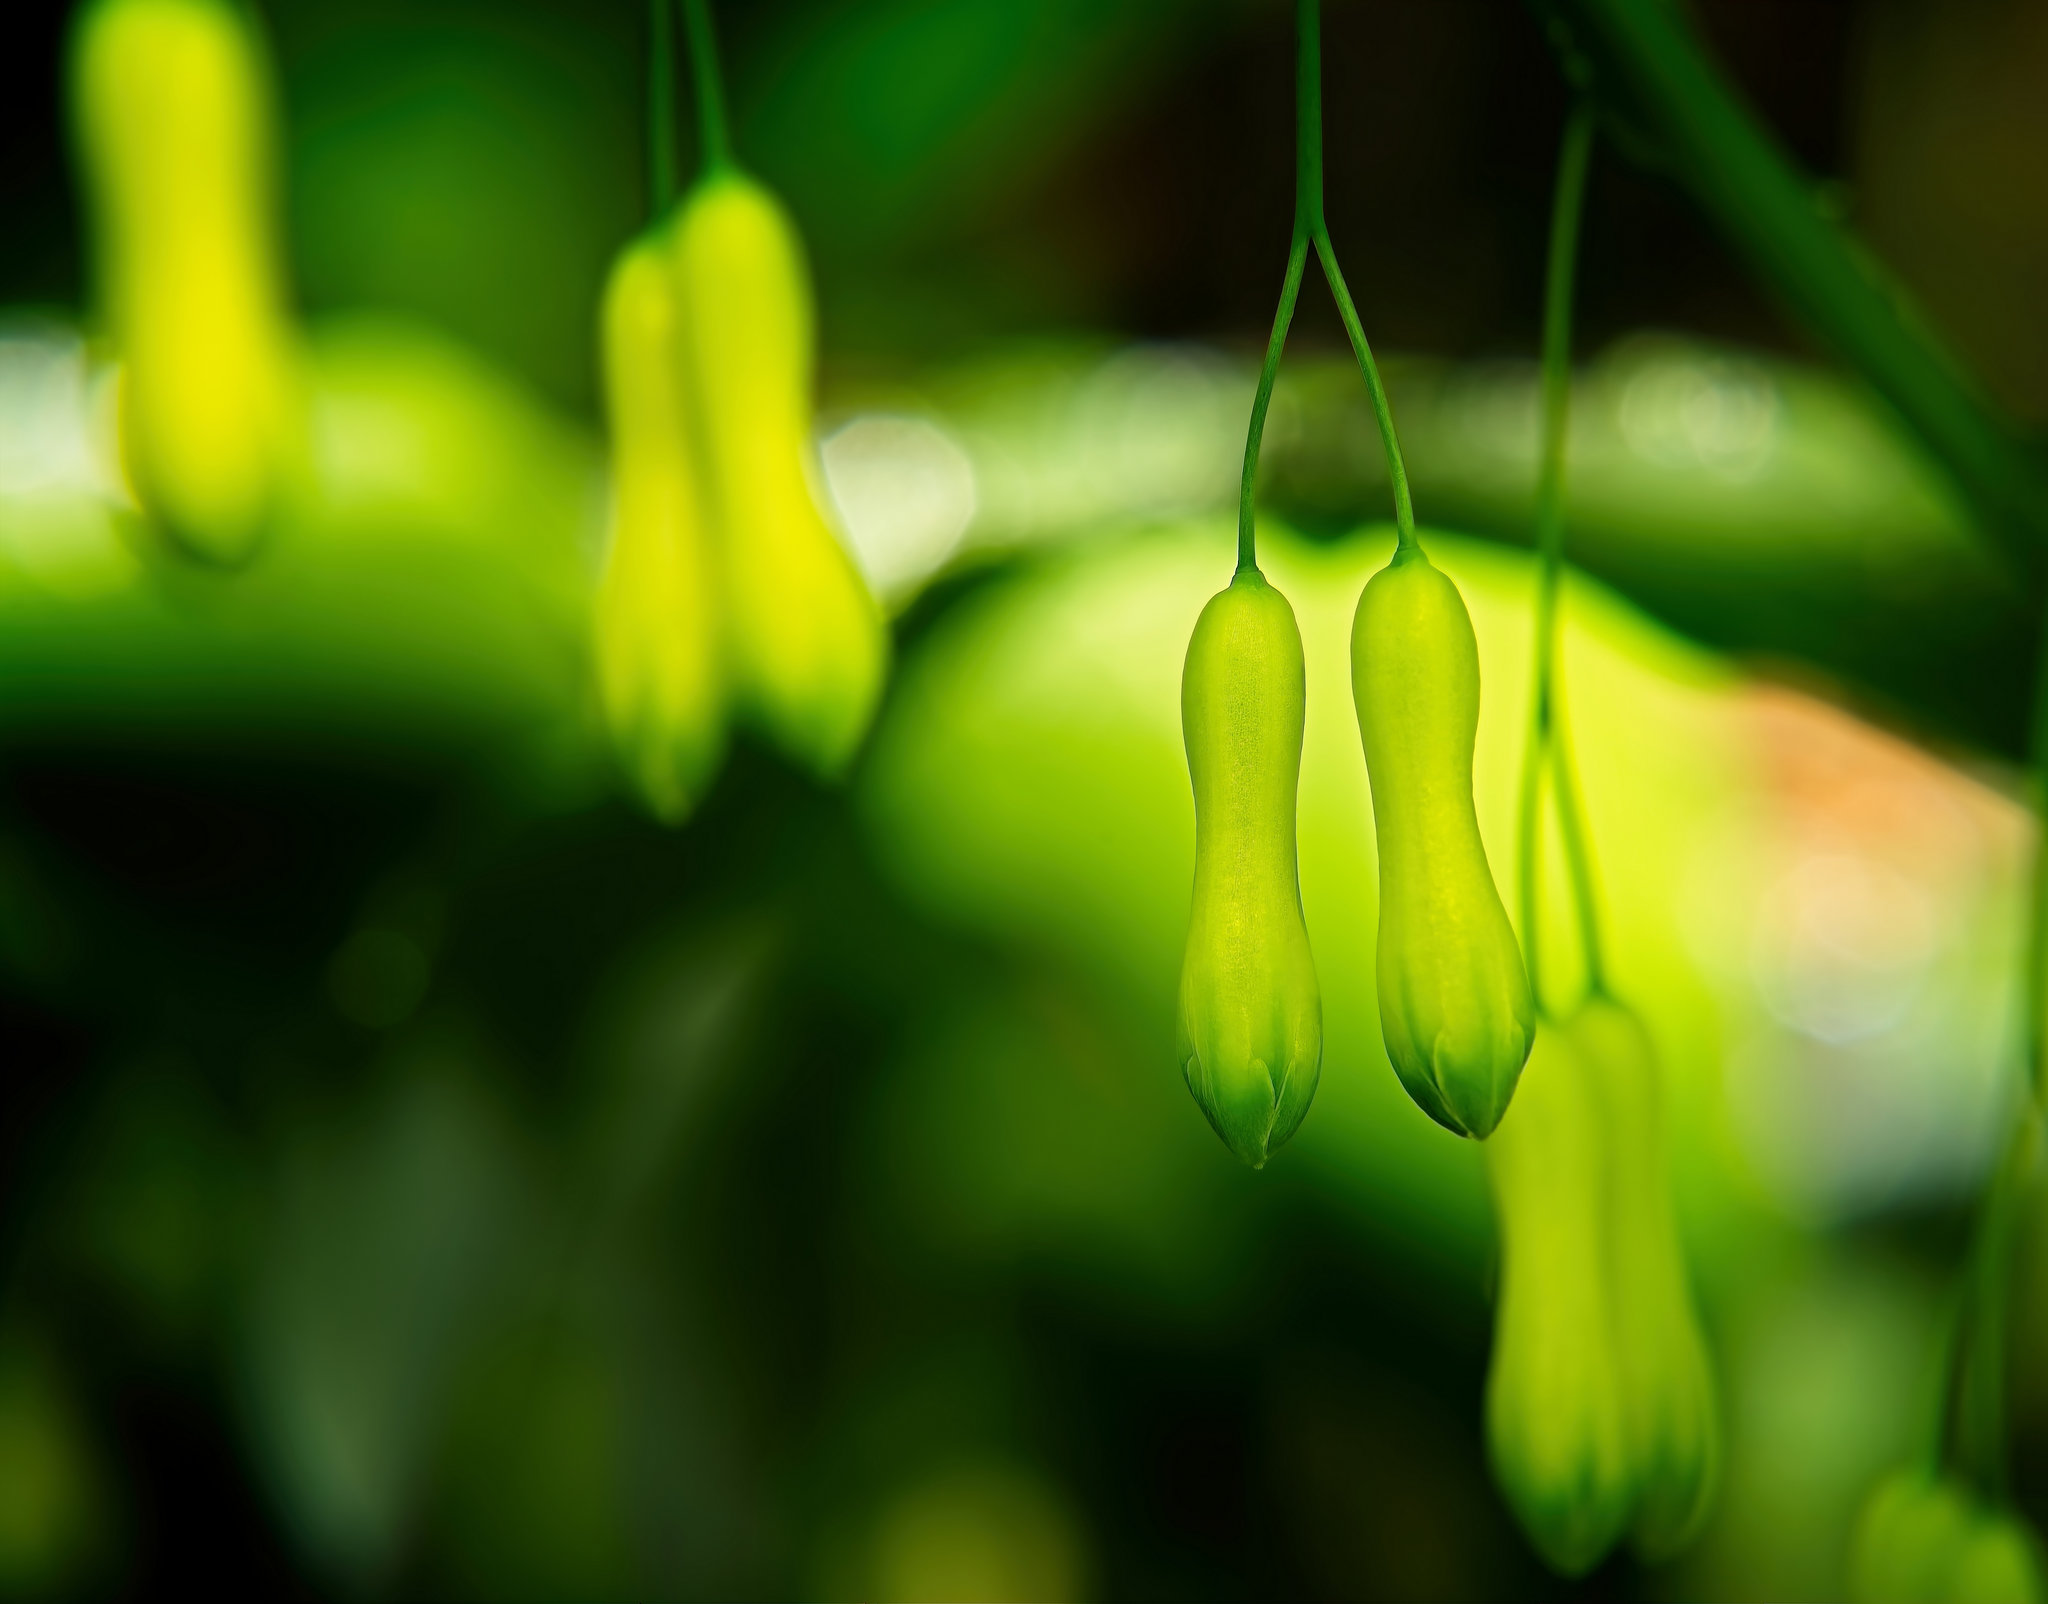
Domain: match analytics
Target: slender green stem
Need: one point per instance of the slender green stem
(713, 133)
(1308, 116)
(1308, 213)
(661, 107)
(1546, 742)
(1397, 471)
(1309, 226)
(1528, 850)
(1976, 1426)
(2037, 936)
(1283, 315)
(1977, 1436)
(1937, 1385)
(1578, 845)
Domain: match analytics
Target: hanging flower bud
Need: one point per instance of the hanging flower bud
(1666, 1380)
(1557, 1425)
(1454, 998)
(657, 623)
(174, 122)
(1924, 1539)
(1251, 1014)
(1999, 1563)
(807, 645)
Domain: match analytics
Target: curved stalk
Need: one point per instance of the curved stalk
(1547, 740)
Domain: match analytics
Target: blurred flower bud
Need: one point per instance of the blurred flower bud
(657, 619)
(171, 100)
(808, 648)
(1557, 1422)
(1667, 1381)
(1999, 1563)
(1251, 1014)
(1924, 1539)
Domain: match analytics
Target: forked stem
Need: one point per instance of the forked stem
(1309, 227)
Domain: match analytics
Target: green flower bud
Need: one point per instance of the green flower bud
(1251, 1014)
(1454, 998)
(2000, 1563)
(1667, 1382)
(174, 127)
(1924, 1539)
(807, 644)
(1557, 1425)
(656, 622)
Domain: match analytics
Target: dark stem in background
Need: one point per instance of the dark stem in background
(1547, 743)
(1972, 1435)
(1977, 1430)
(1975, 1389)
(1646, 65)
(1309, 227)
(661, 107)
(712, 131)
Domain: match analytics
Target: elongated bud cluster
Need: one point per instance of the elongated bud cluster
(1455, 1008)
(175, 135)
(657, 618)
(1925, 1539)
(723, 590)
(806, 642)
(1600, 1402)
(1251, 1014)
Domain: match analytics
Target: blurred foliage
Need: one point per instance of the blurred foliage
(427, 1176)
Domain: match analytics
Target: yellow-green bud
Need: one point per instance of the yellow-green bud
(1667, 1382)
(657, 616)
(2000, 1563)
(171, 101)
(808, 648)
(1923, 1539)
(1251, 1014)
(1557, 1426)
(1454, 998)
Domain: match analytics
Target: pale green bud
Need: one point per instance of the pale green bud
(1666, 1379)
(808, 645)
(1557, 1427)
(1455, 1008)
(1999, 1563)
(656, 636)
(1924, 1539)
(1251, 1013)
(171, 101)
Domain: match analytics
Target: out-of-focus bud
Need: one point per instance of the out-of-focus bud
(1557, 1423)
(1454, 998)
(1924, 1539)
(807, 644)
(2000, 1563)
(658, 657)
(171, 100)
(1251, 1014)
(1667, 1381)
